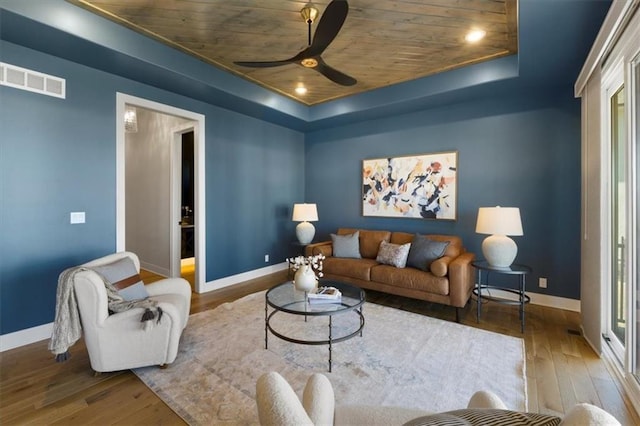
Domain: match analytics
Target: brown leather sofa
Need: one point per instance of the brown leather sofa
(449, 281)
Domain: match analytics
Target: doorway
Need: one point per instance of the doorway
(172, 217)
(183, 253)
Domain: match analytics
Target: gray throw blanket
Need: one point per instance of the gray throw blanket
(67, 328)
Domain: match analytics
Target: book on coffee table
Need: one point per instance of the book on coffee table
(325, 295)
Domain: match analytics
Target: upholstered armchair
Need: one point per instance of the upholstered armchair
(120, 341)
(278, 404)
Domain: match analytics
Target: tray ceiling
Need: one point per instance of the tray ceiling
(382, 42)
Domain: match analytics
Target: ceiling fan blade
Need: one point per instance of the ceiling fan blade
(334, 75)
(330, 23)
(264, 64)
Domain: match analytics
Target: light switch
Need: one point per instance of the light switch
(77, 217)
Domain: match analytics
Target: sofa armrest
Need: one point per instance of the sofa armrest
(461, 279)
(324, 247)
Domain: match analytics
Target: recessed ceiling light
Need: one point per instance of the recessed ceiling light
(474, 36)
(301, 90)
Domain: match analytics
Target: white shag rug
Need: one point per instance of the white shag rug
(403, 359)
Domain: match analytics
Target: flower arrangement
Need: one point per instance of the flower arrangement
(314, 261)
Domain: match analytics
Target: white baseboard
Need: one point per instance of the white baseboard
(555, 302)
(25, 337)
(245, 276)
(155, 269)
(35, 334)
(540, 299)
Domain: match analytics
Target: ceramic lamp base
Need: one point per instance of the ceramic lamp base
(499, 250)
(305, 232)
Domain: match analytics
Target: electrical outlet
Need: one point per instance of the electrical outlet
(266, 258)
(542, 283)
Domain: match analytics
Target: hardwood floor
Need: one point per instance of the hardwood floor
(561, 368)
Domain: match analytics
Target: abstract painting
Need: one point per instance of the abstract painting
(419, 186)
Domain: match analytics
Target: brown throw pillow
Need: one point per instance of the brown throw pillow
(440, 267)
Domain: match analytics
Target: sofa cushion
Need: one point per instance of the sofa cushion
(369, 240)
(424, 251)
(346, 245)
(410, 278)
(393, 254)
(123, 275)
(485, 416)
(352, 268)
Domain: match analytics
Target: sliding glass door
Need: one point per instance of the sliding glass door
(634, 155)
(618, 291)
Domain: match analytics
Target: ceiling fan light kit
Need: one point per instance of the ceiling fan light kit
(327, 29)
(309, 13)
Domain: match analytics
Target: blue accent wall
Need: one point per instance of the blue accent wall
(513, 121)
(58, 156)
(514, 150)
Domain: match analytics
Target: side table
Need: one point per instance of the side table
(520, 271)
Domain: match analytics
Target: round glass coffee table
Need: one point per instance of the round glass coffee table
(284, 298)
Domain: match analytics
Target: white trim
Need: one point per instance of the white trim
(35, 334)
(609, 31)
(245, 276)
(25, 337)
(612, 81)
(629, 383)
(555, 302)
(200, 201)
(539, 299)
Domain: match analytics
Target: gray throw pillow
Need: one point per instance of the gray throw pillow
(393, 254)
(346, 245)
(424, 251)
(123, 275)
(485, 416)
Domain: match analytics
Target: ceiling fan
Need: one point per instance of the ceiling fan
(328, 28)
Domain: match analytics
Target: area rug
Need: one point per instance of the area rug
(402, 359)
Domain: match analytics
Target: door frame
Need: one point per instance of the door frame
(199, 191)
(612, 80)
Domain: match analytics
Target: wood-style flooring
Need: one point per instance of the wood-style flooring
(561, 368)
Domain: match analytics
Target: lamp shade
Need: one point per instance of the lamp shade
(499, 250)
(305, 213)
(499, 221)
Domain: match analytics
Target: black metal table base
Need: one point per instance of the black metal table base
(519, 270)
(330, 341)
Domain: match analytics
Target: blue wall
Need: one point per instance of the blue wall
(519, 149)
(58, 156)
(518, 143)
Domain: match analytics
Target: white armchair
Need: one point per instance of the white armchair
(119, 341)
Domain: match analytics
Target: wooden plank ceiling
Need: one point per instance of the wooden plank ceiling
(382, 42)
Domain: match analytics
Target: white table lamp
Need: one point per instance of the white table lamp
(305, 213)
(498, 249)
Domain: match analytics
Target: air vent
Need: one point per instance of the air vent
(33, 81)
